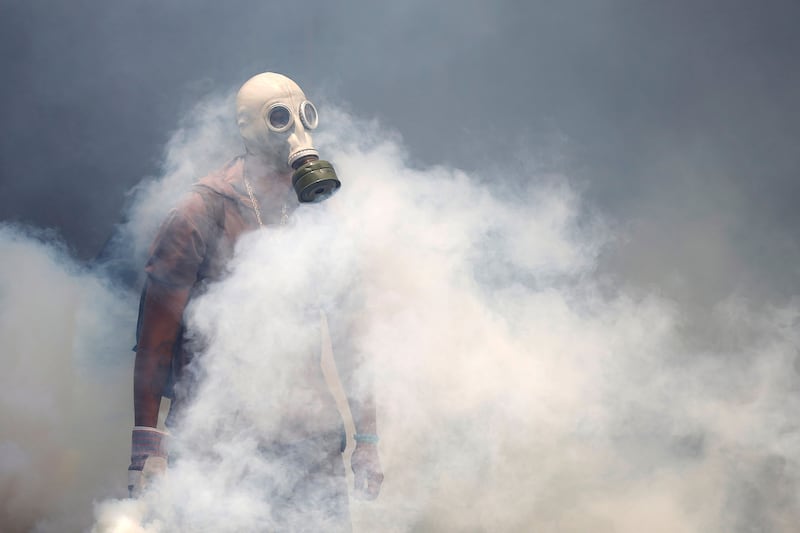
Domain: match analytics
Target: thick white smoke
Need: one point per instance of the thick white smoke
(65, 385)
(517, 389)
(202, 142)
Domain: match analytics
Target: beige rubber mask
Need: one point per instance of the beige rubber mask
(275, 119)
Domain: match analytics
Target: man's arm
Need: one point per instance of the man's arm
(354, 369)
(161, 322)
(172, 269)
(160, 325)
(355, 372)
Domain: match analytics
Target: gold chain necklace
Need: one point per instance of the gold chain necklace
(284, 207)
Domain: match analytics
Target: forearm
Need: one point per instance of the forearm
(362, 408)
(354, 367)
(358, 384)
(161, 324)
(150, 375)
(356, 374)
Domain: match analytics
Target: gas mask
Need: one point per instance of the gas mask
(275, 118)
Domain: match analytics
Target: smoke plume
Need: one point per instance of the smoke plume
(519, 386)
(65, 388)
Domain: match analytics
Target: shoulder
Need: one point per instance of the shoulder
(194, 213)
(225, 182)
(206, 199)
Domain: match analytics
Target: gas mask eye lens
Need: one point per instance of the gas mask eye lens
(279, 118)
(308, 114)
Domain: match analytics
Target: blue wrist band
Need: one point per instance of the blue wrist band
(366, 437)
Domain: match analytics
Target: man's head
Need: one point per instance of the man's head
(274, 118)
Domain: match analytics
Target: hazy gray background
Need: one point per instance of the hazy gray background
(677, 122)
(680, 119)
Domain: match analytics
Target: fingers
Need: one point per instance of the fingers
(367, 484)
(374, 481)
(360, 483)
(368, 475)
(140, 480)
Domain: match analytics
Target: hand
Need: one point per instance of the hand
(148, 458)
(367, 471)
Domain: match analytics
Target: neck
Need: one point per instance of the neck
(272, 188)
(267, 176)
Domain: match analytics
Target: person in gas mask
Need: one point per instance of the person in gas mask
(280, 168)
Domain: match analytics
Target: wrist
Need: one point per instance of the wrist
(147, 442)
(366, 438)
(151, 428)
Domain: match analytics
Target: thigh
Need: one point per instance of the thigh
(309, 492)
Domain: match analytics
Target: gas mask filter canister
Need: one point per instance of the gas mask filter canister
(315, 180)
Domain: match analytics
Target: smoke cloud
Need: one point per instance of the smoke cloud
(519, 385)
(574, 266)
(65, 387)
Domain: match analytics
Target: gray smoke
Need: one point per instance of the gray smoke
(678, 120)
(573, 227)
(518, 386)
(65, 388)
